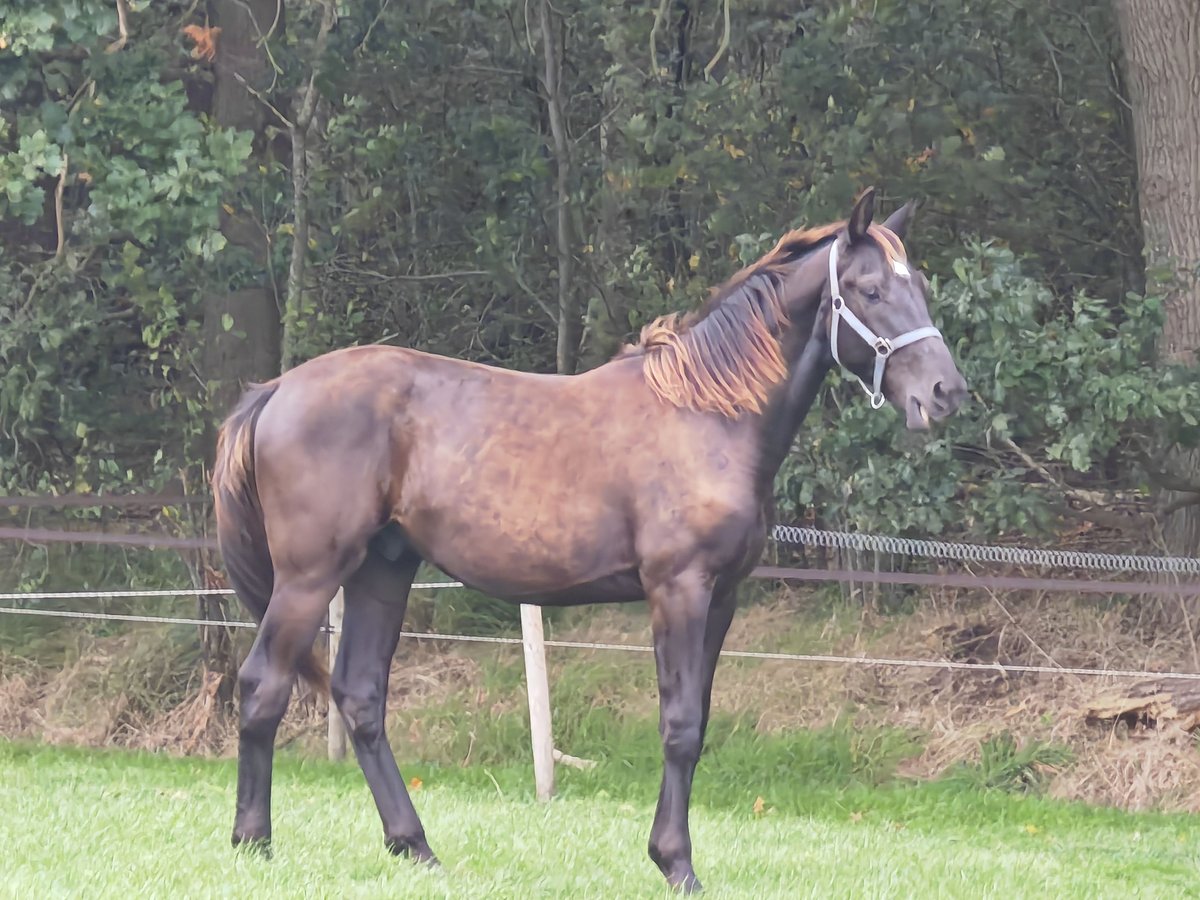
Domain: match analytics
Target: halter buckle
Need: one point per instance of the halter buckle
(877, 400)
(883, 347)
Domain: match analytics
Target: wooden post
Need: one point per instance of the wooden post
(538, 686)
(337, 726)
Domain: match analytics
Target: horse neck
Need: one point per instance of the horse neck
(808, 362)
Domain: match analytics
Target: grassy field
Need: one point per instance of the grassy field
(119, 824)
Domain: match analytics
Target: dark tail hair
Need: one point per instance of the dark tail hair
(241, 534)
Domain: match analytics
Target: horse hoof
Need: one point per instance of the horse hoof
(256, 845)
(685, 883)
(415, 849)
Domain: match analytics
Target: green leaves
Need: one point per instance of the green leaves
(93, 341)
(36, 157)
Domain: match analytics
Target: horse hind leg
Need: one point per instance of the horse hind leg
(376, 598)
(265, 680)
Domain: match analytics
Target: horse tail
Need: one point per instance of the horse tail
(241, 532)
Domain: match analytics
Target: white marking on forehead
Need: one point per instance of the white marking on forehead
(900, 268)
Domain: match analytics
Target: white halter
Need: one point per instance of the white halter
(884, 347)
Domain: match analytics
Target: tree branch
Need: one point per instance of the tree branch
(1182, 503)
(122, 28)
(1094, 498)
(58, 209)
(435, 276)
(261, 98)
(721, 48)
(1169, 481)
(532, 294)
(362, 45)
(659, 15)
(294, 304)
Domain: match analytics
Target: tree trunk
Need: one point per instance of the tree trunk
(1162, 62)
(247, 350)
(240, 332)
(569, 319)
(295, 308)
(1161, 40)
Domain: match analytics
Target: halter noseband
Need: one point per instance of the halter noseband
(884, 347)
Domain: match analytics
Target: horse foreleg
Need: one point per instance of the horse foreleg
(679, 611)
(265, 682)
(376, 598)
(720, 615)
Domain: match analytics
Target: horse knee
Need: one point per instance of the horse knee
(682, 737)
(361, 707)
(263, 700)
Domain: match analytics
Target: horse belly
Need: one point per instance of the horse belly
(564, 558)
(620, 587)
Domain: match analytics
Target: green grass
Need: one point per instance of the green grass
(112, 824)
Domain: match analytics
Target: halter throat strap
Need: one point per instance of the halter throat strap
(884, 347)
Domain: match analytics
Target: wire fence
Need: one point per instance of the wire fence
(995, 668)
(783, 534)
(984, 553)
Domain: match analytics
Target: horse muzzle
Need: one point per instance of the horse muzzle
(939, 401)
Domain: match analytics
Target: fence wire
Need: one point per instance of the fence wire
(817, 658)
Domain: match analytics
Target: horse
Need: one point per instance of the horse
(648, 477)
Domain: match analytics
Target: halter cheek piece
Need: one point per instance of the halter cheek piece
(884, 347)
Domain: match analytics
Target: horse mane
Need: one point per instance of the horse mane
(726, 356)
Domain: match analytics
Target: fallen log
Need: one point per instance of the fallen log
(1152, 703)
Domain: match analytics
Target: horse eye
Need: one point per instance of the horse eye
(873, 295)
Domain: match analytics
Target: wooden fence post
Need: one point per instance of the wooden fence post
(337, 725)
(538, 686)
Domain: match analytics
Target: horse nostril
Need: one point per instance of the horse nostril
(947, 397)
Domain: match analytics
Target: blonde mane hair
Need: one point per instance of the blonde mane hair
(726, 356)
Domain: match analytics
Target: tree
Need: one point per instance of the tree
(241, 332)
(1161, 40)
(553, 49)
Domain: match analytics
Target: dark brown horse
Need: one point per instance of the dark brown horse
(648, 477)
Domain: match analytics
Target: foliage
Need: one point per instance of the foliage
(96, 339)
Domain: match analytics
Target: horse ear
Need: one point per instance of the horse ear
(898, 221)
(860, 219)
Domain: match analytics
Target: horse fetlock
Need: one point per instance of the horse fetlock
(685, 882)
(414, 847)
(671, 852)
